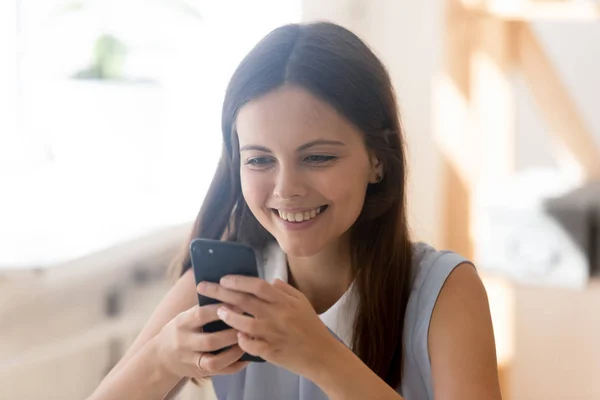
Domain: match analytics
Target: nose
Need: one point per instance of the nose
(289, 183)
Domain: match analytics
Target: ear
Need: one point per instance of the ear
(376, 173)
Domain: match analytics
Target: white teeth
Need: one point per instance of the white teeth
(299, 216)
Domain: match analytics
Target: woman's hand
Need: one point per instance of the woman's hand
(283, 327)
(184, 350)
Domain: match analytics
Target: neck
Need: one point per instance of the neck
(324, 277)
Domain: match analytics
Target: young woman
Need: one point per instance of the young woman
(312, 175)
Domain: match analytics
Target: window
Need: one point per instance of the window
(113, 123)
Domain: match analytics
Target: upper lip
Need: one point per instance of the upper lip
(295, 209)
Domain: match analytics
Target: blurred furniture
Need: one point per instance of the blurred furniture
(64, 327)
(538, 233)
(579, 213)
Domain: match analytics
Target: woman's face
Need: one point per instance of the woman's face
(304, 169)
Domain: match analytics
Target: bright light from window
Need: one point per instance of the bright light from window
(120, 107)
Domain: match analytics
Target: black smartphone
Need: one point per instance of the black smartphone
(213, 259)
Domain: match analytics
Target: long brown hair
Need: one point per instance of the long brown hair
(336, 66)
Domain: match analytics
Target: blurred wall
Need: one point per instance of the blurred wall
(556, 338)
(574, 49)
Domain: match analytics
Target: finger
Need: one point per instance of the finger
(207, 342)
(244, 301)
(247, 284)
(243, 323)
(286, 288)
(197, 316)
(235, 367)
(215, 363)
(252, 346)
(234, 308)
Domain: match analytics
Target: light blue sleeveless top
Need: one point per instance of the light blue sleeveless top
(265, 381)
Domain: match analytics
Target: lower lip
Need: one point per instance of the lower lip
(296, 226)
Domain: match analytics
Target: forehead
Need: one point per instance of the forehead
(291, 115)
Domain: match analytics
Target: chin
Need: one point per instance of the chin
(297, 248)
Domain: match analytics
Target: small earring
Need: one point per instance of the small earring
(378, 178)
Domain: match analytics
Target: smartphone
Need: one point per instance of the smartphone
(213, 259)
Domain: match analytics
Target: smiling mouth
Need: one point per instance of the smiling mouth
(303, 216)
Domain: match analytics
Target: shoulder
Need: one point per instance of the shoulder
(431, 270)
(448, 329)
(461, 339)
(430, 264)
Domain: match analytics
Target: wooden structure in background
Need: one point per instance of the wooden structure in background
(485, 41)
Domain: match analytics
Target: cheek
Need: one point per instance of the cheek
(347, 193)
(255, 190)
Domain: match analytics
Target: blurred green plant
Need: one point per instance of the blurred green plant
(110, 52)
(108, 60)
(69, 7)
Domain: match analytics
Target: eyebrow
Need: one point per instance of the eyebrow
(301, 148)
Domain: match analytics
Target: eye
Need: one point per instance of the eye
(259, 162)
(319, 159)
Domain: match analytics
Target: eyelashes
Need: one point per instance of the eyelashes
(262, 162)
(259, 161)
(319, 159)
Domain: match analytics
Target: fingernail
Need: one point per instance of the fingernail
(225, 280)
(201, 286)
(222, 312)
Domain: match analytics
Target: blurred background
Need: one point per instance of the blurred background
(110, 133)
